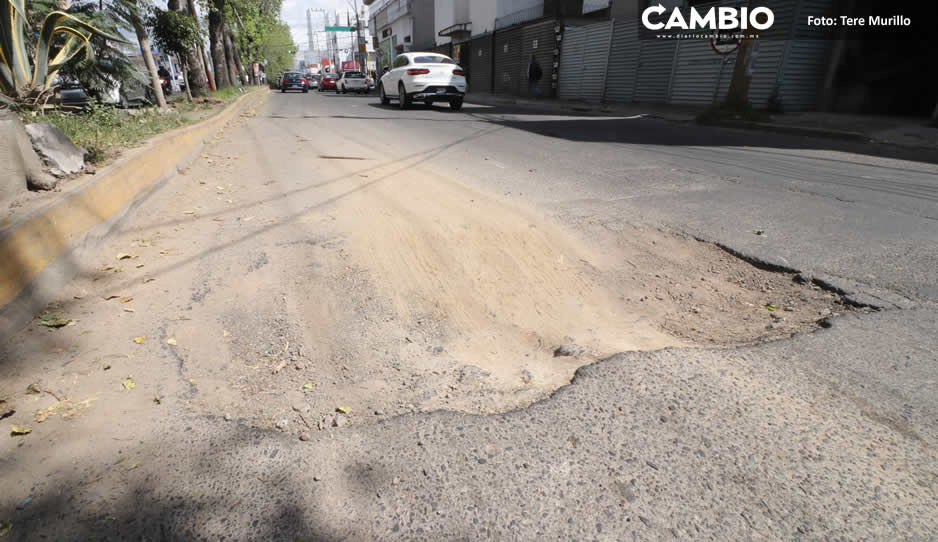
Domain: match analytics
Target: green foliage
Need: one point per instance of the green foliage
(262, 35)
(110, 65)
(104, 129)
(174, 31)
(26, 81)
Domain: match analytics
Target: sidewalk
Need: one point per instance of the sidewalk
(676, 113)
(901, 131)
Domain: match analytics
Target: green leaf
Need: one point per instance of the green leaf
(308, 386)
(20, 430)
(344, 409)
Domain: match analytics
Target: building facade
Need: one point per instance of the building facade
(398, 26)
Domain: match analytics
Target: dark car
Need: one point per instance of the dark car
(293, 81)
(72, 95)
(328, 82)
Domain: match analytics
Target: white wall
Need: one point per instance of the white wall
(444, 15)
(482, 13)
(506, 7)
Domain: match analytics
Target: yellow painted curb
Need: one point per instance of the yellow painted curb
(28, 247)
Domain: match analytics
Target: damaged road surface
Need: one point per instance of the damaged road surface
(443, 330)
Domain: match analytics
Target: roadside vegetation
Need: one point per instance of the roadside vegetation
(105, 130)
(104, 49)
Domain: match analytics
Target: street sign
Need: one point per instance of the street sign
(340, 29)
(724, 45)
(380, 53)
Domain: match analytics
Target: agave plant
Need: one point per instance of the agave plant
(25, 83)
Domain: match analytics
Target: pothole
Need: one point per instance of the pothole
(438, 297)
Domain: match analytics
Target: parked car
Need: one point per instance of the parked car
(71, 94)
(293, 81)
(314, 80)
(423, 77)
(328, 82)
(352, 81)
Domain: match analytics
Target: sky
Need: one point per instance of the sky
(294, 14)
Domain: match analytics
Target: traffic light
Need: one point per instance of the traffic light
(291, 51)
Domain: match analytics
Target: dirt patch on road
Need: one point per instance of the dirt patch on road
(276, 300)
(502, 306)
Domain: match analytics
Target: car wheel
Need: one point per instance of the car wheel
(402, 97)
(384, 97)
(283, 90)
(455, 104)
(305, 90)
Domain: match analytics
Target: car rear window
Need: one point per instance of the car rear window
(292, 74)
(434, 59)
(354, 75)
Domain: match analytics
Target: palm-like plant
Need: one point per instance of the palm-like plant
(28, 83)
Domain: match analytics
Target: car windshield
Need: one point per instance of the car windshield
(433, 59)
(354, 75)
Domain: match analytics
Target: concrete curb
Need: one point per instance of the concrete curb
(42, 251)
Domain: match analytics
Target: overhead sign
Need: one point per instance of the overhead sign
(340, 29)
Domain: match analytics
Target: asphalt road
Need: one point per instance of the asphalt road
(828, 434)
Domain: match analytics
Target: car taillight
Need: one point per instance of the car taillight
(302, 80)
(458, 71)
(418, 71)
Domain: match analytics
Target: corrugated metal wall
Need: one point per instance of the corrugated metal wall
(510, 70)
(480, 64)
(538, 40)
(584, 56)
(606, 61)
(653, 78)
(623, 62)
(805, 61)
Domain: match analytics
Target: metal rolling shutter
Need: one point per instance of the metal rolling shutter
(480, 64)
(543, 34)
(805, 61)
(508, 63)
(444, 49)
(703, 77)
(699, 73)
(584, 55)
(654, 71)
(623, 62)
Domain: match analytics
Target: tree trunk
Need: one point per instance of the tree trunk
(208, 72)
(197, 77)
(243, 72)
(230, 56)
(738, 95)
(185, 79)
(216, 35)
(144, 40)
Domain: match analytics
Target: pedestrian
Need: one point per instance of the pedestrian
(534, 76)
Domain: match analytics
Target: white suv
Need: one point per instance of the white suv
(352, 82)
(423, 77)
